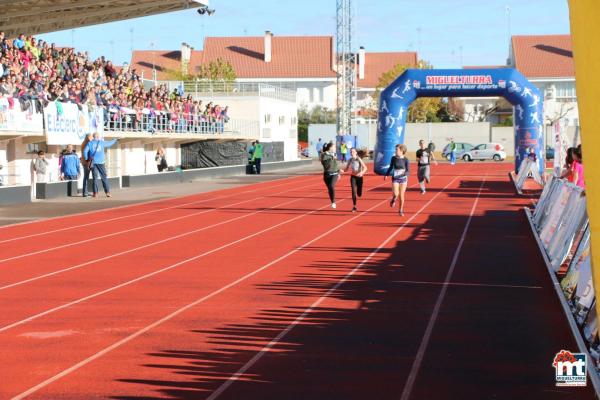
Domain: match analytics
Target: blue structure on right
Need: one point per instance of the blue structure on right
(506, 82)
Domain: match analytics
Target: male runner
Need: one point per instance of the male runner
(424, 158)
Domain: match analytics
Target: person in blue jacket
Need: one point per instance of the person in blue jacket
(69, 169)
(94, 153)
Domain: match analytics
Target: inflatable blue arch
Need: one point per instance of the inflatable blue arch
(414, 83)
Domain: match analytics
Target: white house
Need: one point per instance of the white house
(305, 64)
(547, 61)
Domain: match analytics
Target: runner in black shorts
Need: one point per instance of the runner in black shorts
(331, 171)
(399, 169)
(357, 169)
(424, 158)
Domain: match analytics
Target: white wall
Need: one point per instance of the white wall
(317, 93)
(244, 108)
(474, 133)
(278, 122)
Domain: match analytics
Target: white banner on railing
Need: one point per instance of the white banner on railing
(66, 124)
(13, 118)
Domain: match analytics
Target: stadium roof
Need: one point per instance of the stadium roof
(41, 16)
(544, 56)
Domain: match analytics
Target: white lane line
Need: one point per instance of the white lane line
(193, 304)
(416, 366)
(170, 267)
(163, 221)
(307, 311)
(130, 215)
(470, 284)
(77, 266)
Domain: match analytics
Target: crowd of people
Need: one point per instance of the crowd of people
(34, 72)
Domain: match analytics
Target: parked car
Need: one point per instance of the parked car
(461, 149)
(549, 153)
(486, 151)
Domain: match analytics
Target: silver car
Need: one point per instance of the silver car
(486, 151)
(461, 149)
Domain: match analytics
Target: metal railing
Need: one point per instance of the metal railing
(206, 90)
(178, 123)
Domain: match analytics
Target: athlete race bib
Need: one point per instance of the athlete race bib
(399, 173)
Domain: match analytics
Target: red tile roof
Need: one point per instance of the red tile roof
(544, 56)
(377, 64)
(162, 60)
(484, 66)
(292, 56)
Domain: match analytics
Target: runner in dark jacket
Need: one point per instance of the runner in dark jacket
(331, 171)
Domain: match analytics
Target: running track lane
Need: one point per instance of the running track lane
(107, 310)
(99, 258)
(346, 348)
(100, 226)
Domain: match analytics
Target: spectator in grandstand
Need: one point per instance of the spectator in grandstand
(19, 42)
(94, 153)
(40, 167)
(161, 160)
(69, 168)
(225, 114)
(257, 156)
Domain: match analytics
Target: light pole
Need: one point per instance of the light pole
(131, 37)
(153, 62)
(508, 21)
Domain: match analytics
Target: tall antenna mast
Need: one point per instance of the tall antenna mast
(346, 66)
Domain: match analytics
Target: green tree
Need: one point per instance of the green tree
(451, 110)
(317, 115)
(217, 70)
(178, 75)
(424, 109)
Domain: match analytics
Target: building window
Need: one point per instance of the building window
(294, 120)
(34, 148)
(267, 118)
(565, 92)
(282, 120)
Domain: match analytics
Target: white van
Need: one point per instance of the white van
(486, 151)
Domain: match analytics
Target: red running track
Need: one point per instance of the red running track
(265, 292)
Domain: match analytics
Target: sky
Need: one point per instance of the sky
(447, 33)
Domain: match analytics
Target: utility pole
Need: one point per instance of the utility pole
(346, 66)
